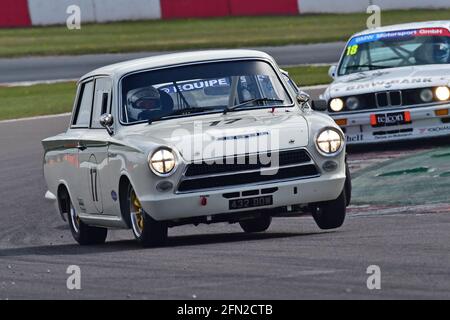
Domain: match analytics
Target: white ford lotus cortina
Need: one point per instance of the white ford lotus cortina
(392, 83)
(190, 138)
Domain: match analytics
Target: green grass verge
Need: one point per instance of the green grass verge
(196, 33)
(46, 99)
(309, 75)
(37, 100)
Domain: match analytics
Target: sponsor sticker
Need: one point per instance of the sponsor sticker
(355, 137)
(400, 35)
(388, 83)
(392, 136)
(390, 119)
(434, 129)
(195, 85)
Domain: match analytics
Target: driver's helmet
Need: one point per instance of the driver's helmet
(434, 52)
(441, 52)
(147, 98)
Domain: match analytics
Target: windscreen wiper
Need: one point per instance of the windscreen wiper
(184, 111)
(370, 66)
(258, 100)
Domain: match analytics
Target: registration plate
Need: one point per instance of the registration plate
(390, 119)
(237, 204)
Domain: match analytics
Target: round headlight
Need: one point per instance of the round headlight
(352, 103)
(442, 93)
(329, 141)
(163, 162)
(337, 105)
(426, 95)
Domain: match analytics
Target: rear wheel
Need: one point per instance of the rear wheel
(256, 225)
(331, 214)
(81, 232)
(147, 231)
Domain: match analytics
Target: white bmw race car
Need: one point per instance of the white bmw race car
(392, 83)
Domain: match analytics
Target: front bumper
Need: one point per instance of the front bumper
(181, 206)
(425, 123)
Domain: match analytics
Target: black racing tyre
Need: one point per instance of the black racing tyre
(82, 233)
(348, 185)
(260, 224)
(147, 231)
(331, 214)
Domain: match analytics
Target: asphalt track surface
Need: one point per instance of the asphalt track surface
(293, 260)
(73, 67)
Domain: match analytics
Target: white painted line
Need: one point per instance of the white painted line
(61, 115)
(33, 83)
(318, 87)
(324, 64)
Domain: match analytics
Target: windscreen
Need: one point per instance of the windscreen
(396, 49)
(201, 88)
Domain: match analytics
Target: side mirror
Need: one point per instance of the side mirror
(332, 71)
(320, 105)
(303, 98)
(107, 121)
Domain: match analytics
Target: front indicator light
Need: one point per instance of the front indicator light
(442, 93)
(163, 162)
(330, 166)
(341, 122)
(441, 112)
(329, 141)
(337, 105)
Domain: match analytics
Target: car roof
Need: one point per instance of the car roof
(119, 69)
(406, 26)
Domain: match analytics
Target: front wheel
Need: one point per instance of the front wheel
(147, 231)
(331, 214)
(256, 225)
(348, 185)
(82, 233)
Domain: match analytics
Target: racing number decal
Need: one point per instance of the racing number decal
(352, 50)
(94, 188)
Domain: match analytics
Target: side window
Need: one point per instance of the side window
(102, 100)
(291, 83)
(83, 113)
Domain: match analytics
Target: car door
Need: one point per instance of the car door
(93, 154)
(79, 128)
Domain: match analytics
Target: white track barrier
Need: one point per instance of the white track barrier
(50, 12)
(348, 6)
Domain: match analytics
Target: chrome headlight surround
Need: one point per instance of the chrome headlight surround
(163, 162)
(328, 137)
(352, 103)
(426, 95)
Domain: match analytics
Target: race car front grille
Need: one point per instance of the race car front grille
(248, 162)
(291, 165)
(247, 178)
(388, 99)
